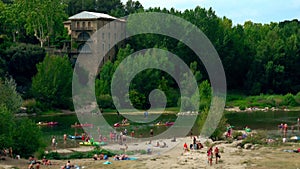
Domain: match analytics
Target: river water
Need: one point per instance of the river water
(268, 121)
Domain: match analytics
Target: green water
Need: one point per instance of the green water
(255, 120)
(262, 120)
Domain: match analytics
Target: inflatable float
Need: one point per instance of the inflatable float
(87, 143)
(295, 138)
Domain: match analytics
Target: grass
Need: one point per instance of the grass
(262, 101)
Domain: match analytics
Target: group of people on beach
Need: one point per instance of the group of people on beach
(198, 146)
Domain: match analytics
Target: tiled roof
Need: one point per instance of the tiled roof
(91, 15)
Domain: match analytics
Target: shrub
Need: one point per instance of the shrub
(31, 106)
(53, 156)
(289, 100)
(242, 107)
(236, 134)
(255, 138)
(105, 101)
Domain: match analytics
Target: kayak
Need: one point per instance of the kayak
(295, 138)
(81, 125)
(121, 125)
(52, 123)
(169, 123)
(87, 143)
(74, 137)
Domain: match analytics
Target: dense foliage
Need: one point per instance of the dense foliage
(51, 86)
(9, 97)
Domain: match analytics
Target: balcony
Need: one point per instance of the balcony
(87, 28)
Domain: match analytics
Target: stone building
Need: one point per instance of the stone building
(95, 32)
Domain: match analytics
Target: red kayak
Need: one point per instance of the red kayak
(169, 123)
(52, 123)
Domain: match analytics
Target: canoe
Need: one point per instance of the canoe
(81, 125)
(169, 123)
(121, 125)
(52, 123)
(86, 143)
(74, 137)
(295, 138)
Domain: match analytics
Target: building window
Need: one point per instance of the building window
(83, 24)
(103, 47)
(102, 35)
(89, 24)
(78, 25)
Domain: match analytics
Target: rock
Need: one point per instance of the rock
(247, 146)
(237, 143)
(239, 147)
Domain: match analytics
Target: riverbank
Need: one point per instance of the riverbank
(232, 157)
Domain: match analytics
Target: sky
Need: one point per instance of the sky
(239, 11)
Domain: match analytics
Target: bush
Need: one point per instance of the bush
(242, 107)
(31, 106)
(255, 138)
(236, 134)
(53, 156)
(105, 101)
(289, 100)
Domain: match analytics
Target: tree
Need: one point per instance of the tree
(9, 97)
(133, 6)
(21, 62)
(27, 138)
(42, 17)
(52, 84)
(6, 127)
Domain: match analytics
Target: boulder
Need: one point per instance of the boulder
(247, 146)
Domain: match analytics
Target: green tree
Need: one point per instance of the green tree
(21, 62)
(6, 127)
(52, 84)
(9, 97)
(27, 137)
(42, 17)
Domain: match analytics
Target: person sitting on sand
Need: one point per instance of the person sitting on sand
(68, 165)
(164, 145)
(199, 145)
(157, 144)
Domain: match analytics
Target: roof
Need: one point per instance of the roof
(91, 15)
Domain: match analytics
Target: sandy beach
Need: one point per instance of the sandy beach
(232, 157)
